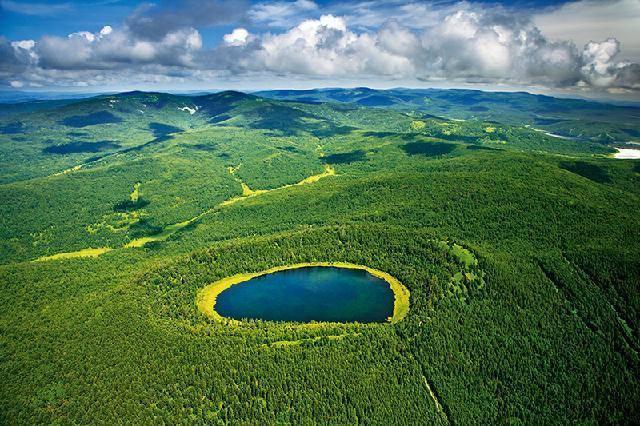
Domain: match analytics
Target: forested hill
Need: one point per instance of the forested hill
(89, 129)
(567, 117)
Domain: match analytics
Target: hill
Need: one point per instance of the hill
(580, 119)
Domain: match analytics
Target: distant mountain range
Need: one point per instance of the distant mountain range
(572, 118)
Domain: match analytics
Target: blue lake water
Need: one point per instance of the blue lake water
(309, 294)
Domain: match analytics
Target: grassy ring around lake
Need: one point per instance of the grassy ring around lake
(206, 297)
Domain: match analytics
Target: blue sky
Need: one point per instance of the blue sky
(584, 47)
(30, 20)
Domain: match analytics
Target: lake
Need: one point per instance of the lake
(315, 293)
(627, 154)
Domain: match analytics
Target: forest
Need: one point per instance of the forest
(519, 249)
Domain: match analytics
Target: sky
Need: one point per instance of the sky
(587, 47)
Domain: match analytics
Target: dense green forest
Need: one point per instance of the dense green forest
(519, 249)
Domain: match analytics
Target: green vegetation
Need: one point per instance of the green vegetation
(569, 118)
(519, 252)
(77, 147)
(90, 252)
(590, 171)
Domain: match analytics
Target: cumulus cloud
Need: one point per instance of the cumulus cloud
(457, 43)
(600, 69)
(238, 37)
(587, 20)
(108, 49)
(323, 47)
(23, 44)
(495, 46)
(468, 44)
(598, 63)
(14, 57)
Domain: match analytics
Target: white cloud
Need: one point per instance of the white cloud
(588, 20)
(599, 69)
(111, 48)
(24, 44)
(472, 44)
(106, 30)
(237, 37)
(325, 47)
(83, 34)
(398, 40)
(405, 41)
